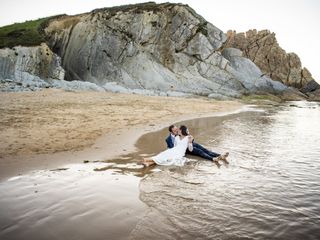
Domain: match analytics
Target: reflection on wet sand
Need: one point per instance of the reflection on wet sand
(154, 142)
(90, 200)
(270, 189)
(71, 203)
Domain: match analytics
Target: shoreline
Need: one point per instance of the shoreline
(109, 145)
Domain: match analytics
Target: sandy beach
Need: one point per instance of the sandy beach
(41, 129)
(98, 189)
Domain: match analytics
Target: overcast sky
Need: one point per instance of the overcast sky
(295, 22)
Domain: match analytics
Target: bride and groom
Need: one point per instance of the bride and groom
(180, 142)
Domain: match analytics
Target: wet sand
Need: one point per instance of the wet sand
(95, 200)
(52, 189)
(71, 203)
(51, 128)
(118, 199)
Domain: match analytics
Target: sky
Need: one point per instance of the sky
(295, 22)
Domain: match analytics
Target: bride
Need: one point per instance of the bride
(175, 155)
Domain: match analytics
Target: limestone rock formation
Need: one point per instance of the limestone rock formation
(314, 96)
(312, 90)
(263, 49)
(35, 68)
(153, 47)
(149, 48)
(29, 63)
(310, 87)
(36, 84)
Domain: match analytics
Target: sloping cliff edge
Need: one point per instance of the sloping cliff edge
(154, 49)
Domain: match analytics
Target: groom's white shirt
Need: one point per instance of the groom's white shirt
(172, 137)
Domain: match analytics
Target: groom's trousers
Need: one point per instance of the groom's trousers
(201, 151)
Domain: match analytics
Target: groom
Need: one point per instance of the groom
(198, 150)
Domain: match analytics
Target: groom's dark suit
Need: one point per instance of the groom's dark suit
(170, 141)
(198, 150)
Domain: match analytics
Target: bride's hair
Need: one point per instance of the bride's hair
(184, 130)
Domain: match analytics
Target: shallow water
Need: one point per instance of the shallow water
(70, 203)
(270, 189)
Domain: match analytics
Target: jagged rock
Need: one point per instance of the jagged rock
(229, 53)
(35, 68)
(76, 85)
(29, 63)
(292, 94)
(310, 87)
(249, 74)
(312, 90)
(153, 47)
(263, 49)
(36, 84)
(314, 96)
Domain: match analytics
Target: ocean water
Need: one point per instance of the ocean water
(269, 190)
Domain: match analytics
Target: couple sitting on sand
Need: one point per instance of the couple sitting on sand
(179, 143)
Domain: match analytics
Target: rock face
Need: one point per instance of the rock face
(159, 47)
(29, 63)
(35, 84)
(312, 90)
(310, 87)
(149, 48)
(35, 68)
(314, 96)
(263, 49)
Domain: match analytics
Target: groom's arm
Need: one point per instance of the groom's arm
(169, 142)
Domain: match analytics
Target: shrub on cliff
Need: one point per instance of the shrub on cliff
(29, 33)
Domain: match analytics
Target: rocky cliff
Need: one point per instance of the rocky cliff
(26, 63)
(29, 68)
(155, 48)
(262, 48)
(162, 47)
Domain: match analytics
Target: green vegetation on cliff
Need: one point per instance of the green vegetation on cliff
(136, 8)
(29, 33)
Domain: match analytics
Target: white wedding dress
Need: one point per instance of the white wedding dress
(175, 155)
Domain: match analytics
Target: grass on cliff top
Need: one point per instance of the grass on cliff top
(136, 7)
(25, 34)
(29, 33)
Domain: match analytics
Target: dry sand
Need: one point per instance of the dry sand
(54, 121)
